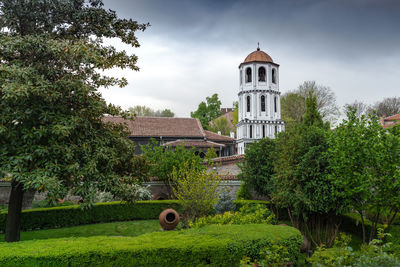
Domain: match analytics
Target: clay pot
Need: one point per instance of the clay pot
(169, 219)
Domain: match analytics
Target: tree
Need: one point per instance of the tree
(364, 165)
(196, 189)
(206, 112)
(301, 183)
(144, 111)
(51, 130)
(387, 107)
(220, 125)
(235, 113)
(257, 167)
(163, 160)
(293, 102)
(359, 107)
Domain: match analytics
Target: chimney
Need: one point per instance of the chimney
(219, 132)
(232, 134)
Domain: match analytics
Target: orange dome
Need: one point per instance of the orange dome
(259, 56)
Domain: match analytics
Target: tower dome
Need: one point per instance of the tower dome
(258, 56)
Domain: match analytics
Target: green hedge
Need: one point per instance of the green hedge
(45, 218)
(215, 245)
(57, 217)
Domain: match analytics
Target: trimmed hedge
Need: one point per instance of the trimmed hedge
(215, 245)
(57, 217)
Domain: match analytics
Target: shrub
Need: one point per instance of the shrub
(244, 191)
(197, 190)
(373, 255)
(246, 215)
(56, 217)
(224, 203)
(212, 245)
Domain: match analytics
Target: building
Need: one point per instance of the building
(226, 113)
(259, 99)
(173, 132)
(390, 121)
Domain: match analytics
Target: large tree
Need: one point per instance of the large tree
(301, 181)
(364, 164)
(293, 103)
(51, 130)
(207, 111)
(387, 107)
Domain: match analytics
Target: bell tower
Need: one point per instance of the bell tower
(259, 99)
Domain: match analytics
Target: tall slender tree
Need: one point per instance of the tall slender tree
(52, 137)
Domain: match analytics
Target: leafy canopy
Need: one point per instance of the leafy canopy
(206, 112)
(52, 137)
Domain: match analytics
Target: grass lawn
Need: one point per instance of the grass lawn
(128, 228)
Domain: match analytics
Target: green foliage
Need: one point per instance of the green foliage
(126, 228)
(45, 218)
(257, 167)
(224, 203)
(235, 113)
(244, 191)
(301, 181)
(206, 112)
(246, 215)
(196, 189)
(220, 125)
(102, 212)
(53, 61)
(273, 256)
(211, 245)
(163, 160)
(364, 160)
(144, 111)
(372, 255)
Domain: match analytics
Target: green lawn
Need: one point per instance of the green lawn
(129, 228)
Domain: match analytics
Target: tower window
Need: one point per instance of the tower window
(248, 75)
(275, 104)
(251, 131)
(248, 103)
(262, 103)
(241, 77)
(276, 129)
(273, 75)
(263, 131)
(261, 74)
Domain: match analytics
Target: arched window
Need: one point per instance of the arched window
(273, 76)
(241, 77)
(251, 131)
(276, 129)
(276, 104)
(248, 103)
(261, 74)
(248, 75)
(263, 130)
(262, 103)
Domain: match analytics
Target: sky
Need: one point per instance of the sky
(193, 49)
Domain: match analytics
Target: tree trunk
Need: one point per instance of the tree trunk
(13, 226)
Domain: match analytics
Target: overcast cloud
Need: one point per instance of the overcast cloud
(193, 48)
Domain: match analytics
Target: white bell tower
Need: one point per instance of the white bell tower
(259, 99)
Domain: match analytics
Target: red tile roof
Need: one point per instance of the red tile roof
(216, 137)
(390, 121)
(157, 126)
(229, 158)
(193, 143)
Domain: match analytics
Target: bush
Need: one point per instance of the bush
(212, 245)
(57, 217)
(224, 203)
(244, 191)
(197, 190)
(246, 215)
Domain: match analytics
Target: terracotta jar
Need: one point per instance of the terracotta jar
(169, 219)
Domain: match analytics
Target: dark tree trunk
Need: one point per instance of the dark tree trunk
(13, 226)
